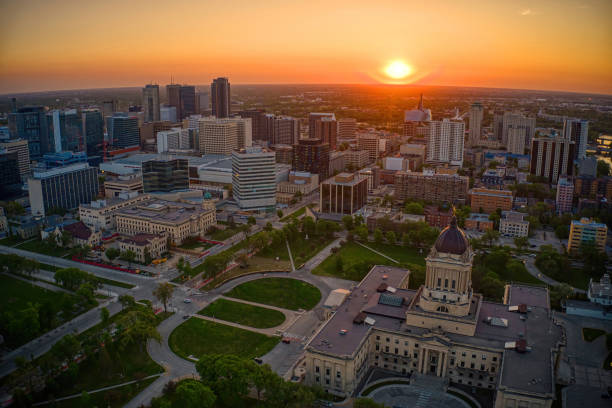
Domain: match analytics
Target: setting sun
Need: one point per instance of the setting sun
(398, 70)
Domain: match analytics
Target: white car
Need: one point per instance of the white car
(187, 301)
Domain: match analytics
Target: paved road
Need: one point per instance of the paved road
(535, 272)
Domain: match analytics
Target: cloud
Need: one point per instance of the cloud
(526, 12)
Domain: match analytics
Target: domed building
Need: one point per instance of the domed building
(442, 329)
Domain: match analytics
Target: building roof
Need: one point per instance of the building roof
(140, 239)
(78, 230)
(162, 211)
(452, 239)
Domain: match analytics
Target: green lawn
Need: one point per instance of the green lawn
(256, 264)
(42, 247)
(222, 235)
(197, 244)
(287, 293)
(10, 241)
(302, 249)
(522, 276)
(198, 337)
(589, 334)
(400, 253)
(53, 268)
(115, 398)
(241, 313)
(356, 262)
(294, 215)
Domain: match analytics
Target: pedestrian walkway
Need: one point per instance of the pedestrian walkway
(268, 332)
(290, 256)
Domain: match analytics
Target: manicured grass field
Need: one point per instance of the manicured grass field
(401, 254)
(589, 334)
(198, 337)
(356, 262)
(256, 264)
(15, 294)
(222, 235)
(53, 268)
(294, 215)
(287, 293)
(302, 249)
(43, 248)
(241, 313)
(198, 244)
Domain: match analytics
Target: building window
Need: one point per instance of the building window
(482, 367)
(405, 353)
(439, 282)
(317, 379)
(338, 374)
(484, 357)
(473, 355)
(386, 349)
(316, 369)
(377, 337)
(327, 381)
(416, 345)
(396, 341)
(388, 340)
(494, 358)
(396, 351)
(415, 355)
(453, 284)
(377, 346)
(327, 371)
(446, 283)
(471, 365)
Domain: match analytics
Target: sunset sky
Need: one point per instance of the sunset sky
(547, 44)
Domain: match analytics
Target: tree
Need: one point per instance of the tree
(213, 264)
(104, 315)
(147, 256)
(347, 220)
(127, 301)
(137, 326)
(603, 168)
(70, 278)
(390, 236)
(279, 213)
(268, 226)
(367, 403)
(560, 293)
(163, 293)
(490, 236)
(194, 394)
(495, 217)
(251, 220)
(362, 232)
(521, 242)
(378, 236)
(414, 208)
(66, 238)
(66, 348)
(405, 239)
(85, 399)
(87, 292)
(562, 231)
(112, 253)
(128, 256)
(308, 226)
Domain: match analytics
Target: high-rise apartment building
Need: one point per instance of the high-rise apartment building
(510, 120)
(258, 123)
(282, 129)
(93, 132)
(217, 137)
(221, 98)
(565, 196)
(109, 107)
(515, 140)
(476, 115)
(486, 200)
(244, 136)
(356, 159)
(428, 186)
(345, 193)
(173, 140)
(30, 123)
(123, 130)
(577, 130)
(204, 101)
(552, 157)
(415, 120)
(254, 178)
(445, 141)
(150, 102)
(372, 143)
(173, 92)
(165, 175)
(312, 156)
(586, 231)
(323, 126)
(62, 187)
(347, 128)
(189, 104)
(20, 147)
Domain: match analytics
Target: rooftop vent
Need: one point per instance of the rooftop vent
(360, 318)
(390, 300)
(497, 321)
(382, 287)
(370, 321)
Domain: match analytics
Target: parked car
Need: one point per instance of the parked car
(187, 301)
(286, 340)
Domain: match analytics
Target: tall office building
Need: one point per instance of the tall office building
(515, 142)
(10, 179)
(30, 123)
(123, 130)
(244, 136)
(221, 97)
(173, 139)
(258, 123)
(577, 130)
(203, 101)
(150, 102)
(323, 126)
(282, 129)
(109, 107)
(66, 130)
(254, 178)
(445, 141)
(552, 157)
(415, 120)
(524, 124)
(372, 143)
(217, 137)
(93, 132)
(498, 126)
(189, 104)
(346, 193)
(165, 175)
(173, 92)
(476, 115)
(312, 156)
(20, 147)
(347, 127)
(62, 187)
(565, 196)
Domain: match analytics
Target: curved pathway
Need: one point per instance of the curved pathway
(535, 272)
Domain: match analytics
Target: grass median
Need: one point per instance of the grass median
(286, 293)
(242, 313)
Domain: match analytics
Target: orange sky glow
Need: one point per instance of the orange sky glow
(547, 44)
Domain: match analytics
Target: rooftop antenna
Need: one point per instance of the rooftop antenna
(421, 102)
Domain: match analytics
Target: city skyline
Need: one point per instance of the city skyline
(522, 45)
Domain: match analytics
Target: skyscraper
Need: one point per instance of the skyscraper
(312, 156)
(552, 157)
(415, 120)
(30, 123)
(323, 126)
(217, 137)
(347, 128)
(174, 98)
(517, 121)
(282, 129)
(150, 101)
(93, 132)
(20, 147)
(221, 97)
(565, 195)
(254, 178)
(109, 107)
(165, 175)
(577, 130)
(445, 141)
(66, 130)
(123, 130)
(10, 180)
(476, 115)
(515, 142)
(244, 135)
(189, 103)
(258, 123)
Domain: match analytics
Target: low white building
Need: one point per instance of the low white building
(513, 224)
(100, 214)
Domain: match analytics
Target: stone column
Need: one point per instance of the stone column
(422, 362)
(440, 362)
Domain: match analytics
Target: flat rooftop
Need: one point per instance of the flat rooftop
(163, 211)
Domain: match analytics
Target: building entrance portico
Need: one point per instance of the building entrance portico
(433, 361)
